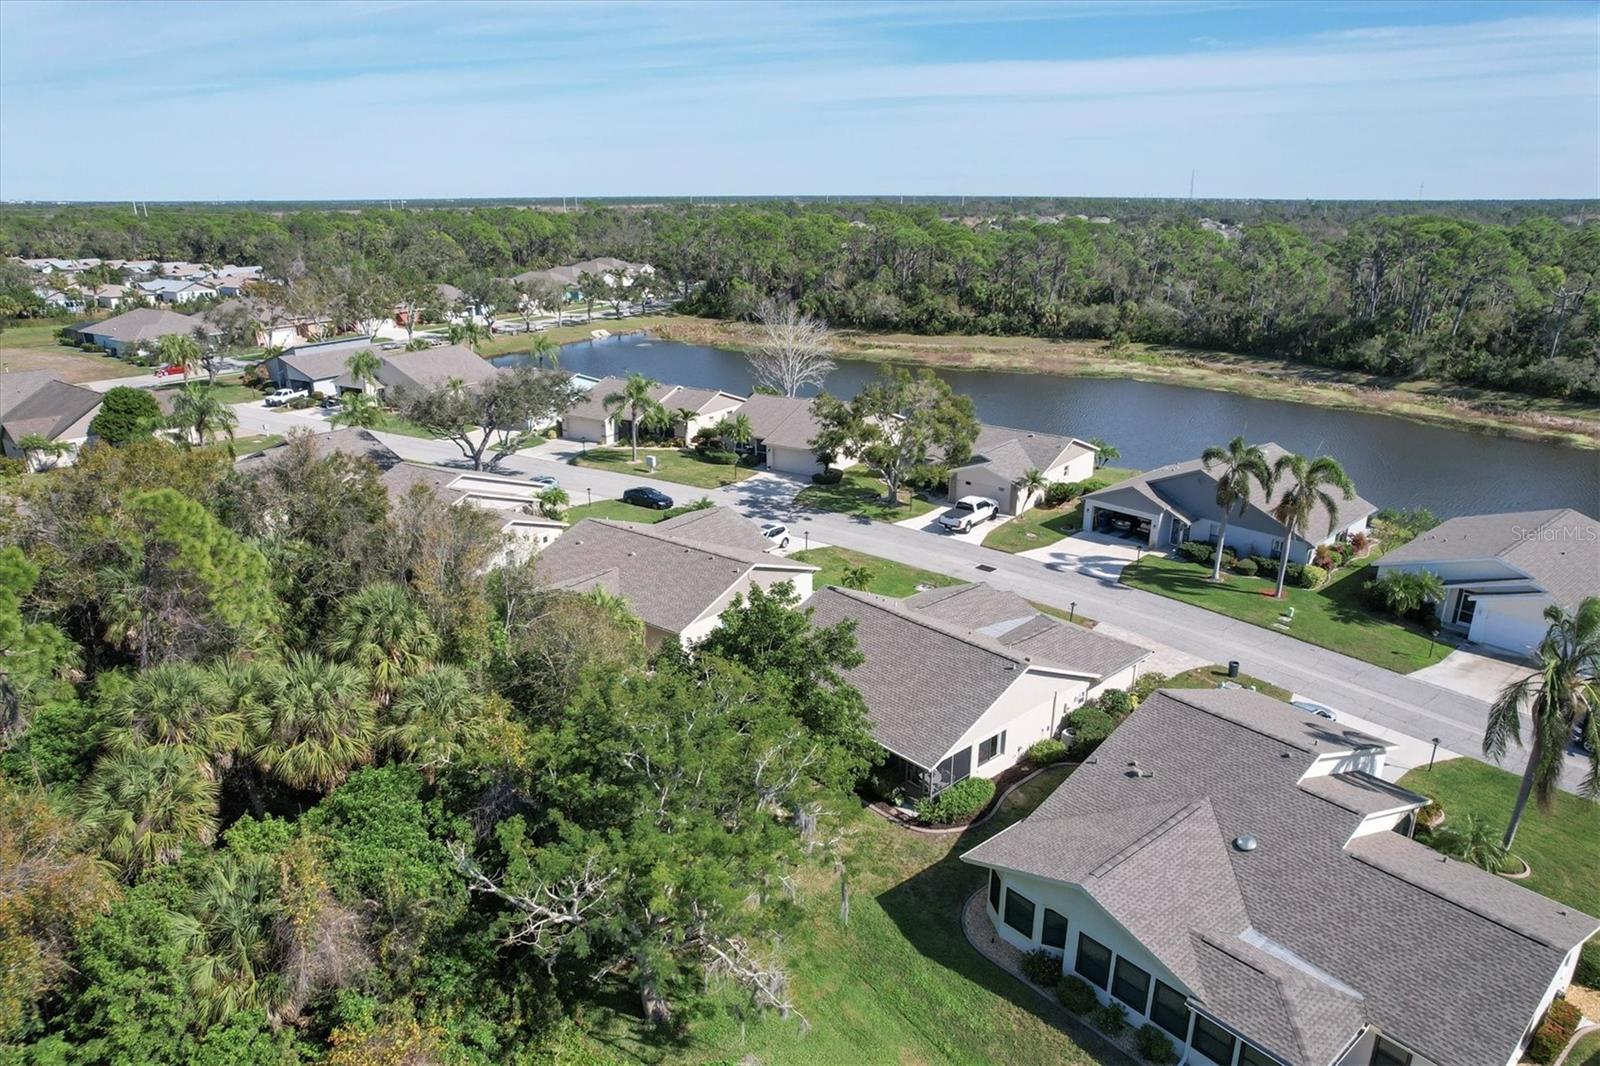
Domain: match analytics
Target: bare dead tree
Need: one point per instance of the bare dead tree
(761, 976)
(552, 912)
(792, 349)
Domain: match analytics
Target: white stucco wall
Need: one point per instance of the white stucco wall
(701, 627)
(1031, 709)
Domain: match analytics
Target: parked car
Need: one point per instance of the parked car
(969, 512)
(647, 497)
(543, 482)
(331, 403)
(1313, 707)
(777, 534)
(279, 397)
(168, 371)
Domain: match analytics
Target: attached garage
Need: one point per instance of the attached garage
(593, 430)
(1511, 623)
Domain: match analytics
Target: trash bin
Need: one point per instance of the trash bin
(1233, 667)
(649, 462)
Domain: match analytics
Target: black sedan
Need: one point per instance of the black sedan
(643, 497)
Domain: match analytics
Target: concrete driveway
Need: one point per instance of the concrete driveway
(1095, 554)
(1474, 671)
(929, 523)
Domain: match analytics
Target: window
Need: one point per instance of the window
(1094, 961)
(994, 891)
(1132, 985)
(1249, 1056)
(1212, 1041)
(1387, 1054)
(1170, 1010)
(1019, 912)
(957, 767)
(995, 745)
(1055, 930)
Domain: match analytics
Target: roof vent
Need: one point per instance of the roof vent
(1244, 843)
(1135, 771)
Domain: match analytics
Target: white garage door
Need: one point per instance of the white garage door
(1510, 630)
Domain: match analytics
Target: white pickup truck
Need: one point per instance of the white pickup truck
(969, 511)
(283, 396)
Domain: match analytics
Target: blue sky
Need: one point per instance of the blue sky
(207, 101)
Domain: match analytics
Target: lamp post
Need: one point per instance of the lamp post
(588, 492)
(1072, 612)
(1433, 754)
(1433, 636)
(807, 535)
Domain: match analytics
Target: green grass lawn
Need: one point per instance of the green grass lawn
(393, 423)
(899, 984)
(672, 464)
(226, 392)
(613, 509)
(889, 578)
(1077, 617)
(1559, 846)
(1587, 1051)
(862, 493)
(1043, 526)
(246, 445)
(1334, 616)
(1212, 676)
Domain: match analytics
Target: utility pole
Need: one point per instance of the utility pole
(1191, 184)
(1420, 185)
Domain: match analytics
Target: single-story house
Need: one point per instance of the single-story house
(319, 367)
(180, 269)
(588, 419)
(960, 681)
(275, 327)
(1501, 571)
(111, 295)
(782, 428)
(678, 576)
(1172, 504)
(175, 290)
(607, 267)
(1239, 875)
(70, 299)
(35, 402)
(136, 330)
(429, 368)
(1001, 456)
(512, 502)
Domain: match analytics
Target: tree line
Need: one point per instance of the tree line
(1509, 305)
(294, 771)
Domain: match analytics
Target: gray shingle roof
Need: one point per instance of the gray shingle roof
(141, 324)
(429, 368)
(669, 580)
(716, 527)
(1558, 548)
(781, 421)
(48, 408)
(1010, 452)
(325, 359)
(1329, 919)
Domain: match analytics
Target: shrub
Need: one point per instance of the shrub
(720, 456)
(1359, 542)
(1325, 557)
(1245, 567)
(1109, 1019)
(1264, 565)
(1588, 971)
(1154, 1046)
(1058, 493)
(1042, 966)
(1045, 752)
(1312, 577)
(1076, 994)
(1146, 684)
(961, 800)
(1115, 702)
(300, 403)
(125, 414)
(1094, 484)
(91, 348)
(929, 477)
(831, 476)
(1196, 551)
(1560, 1022)
(1397, 527)
(1089, 725)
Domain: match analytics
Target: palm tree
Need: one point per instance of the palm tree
(384, 631)
(635, 398)
(552, 502)
(541, 348)
(363, 367)
(227, 941)
(316, 725)
(686, 415)
(179, 350)
(360, 410)
(144, 806)
(176, 705)
(1562, 692)
(1309, 481)
(469, 333)
(435, 715)
(1032, 483)
(1104, 451)
(856, 577)
(736, 432)
(1241, 464)
(198, 411)
(1474, 841)
(239, 688)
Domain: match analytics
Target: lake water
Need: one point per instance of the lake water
(1394, 462)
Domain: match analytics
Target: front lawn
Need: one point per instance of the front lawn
(260, 443)
(1043, 526)
(672, 464)
(898, 984)
(613, 509)
(862, 493)
(889, 578)
(393, 423)
(1213, 676)
(1334, 616)
(1560, 846)
(1587, 1051)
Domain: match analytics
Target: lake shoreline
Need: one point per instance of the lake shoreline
(1484, 411)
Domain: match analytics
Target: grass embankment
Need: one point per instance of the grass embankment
(1334, 616)
(864, 495)
(1214, 676)
(1043, 526)
(672, 464)
(889, 578)
(1438, 403)
(1559, 846)
(899, 983)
